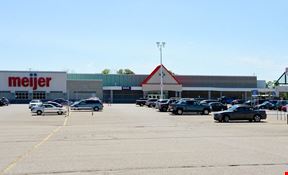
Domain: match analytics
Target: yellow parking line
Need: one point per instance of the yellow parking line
(21, 157)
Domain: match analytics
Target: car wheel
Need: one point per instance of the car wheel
(226, 119)
(257, 118)
(205, 112)
(164, 109)
(179, 111)
(96, 109)
(141, 104)
(39, 112)
(59, 112)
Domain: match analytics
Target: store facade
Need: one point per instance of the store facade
(22, 86)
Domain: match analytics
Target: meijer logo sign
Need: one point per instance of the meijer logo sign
(31, 81)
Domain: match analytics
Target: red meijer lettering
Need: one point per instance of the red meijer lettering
(33, 82)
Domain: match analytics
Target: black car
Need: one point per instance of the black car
(189, 106)
(5, 101)
(217, 106)
(1, 103)
(141, 101)
(240, 112)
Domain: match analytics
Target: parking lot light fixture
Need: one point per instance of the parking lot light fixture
(161, 45)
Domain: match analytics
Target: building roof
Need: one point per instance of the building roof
(155, 71)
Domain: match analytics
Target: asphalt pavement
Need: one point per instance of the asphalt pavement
(125, 139)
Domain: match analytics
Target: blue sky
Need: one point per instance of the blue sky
(207, 37)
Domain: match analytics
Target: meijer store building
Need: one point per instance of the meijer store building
(22, 86)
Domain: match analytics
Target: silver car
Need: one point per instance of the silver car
(35, 103)
(88, 104)
(48, 109)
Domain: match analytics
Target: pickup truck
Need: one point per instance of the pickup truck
(189, 106)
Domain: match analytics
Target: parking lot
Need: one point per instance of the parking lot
(125, 139)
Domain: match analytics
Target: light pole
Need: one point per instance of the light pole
(161, 45)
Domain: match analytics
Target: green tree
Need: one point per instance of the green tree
(105, 71)
(125, 72)
(120, 71)
(128, 71)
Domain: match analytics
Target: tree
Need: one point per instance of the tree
(106, 71)
(125, 72)
(128, 71)
(120, 71)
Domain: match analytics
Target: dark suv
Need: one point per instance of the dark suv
(88, 104)
(189, 106)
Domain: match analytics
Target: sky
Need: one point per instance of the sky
(207, 37)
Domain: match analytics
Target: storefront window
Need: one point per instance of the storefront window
(39, 95)
(21, 95)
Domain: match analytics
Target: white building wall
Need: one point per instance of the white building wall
(57, 83)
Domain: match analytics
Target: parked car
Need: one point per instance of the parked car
(1, 103)
(5, 101)
(35, 103)
(62, 101)
(208, 101)
(160, 101)
(88, 104)
(170, 105)
(141, 101)
(281, 103)
(265, 105)
(217, 106)
(189, 106)
(237, 101)
(54, 104)
(284, 108)
(151, 102)
(225, 100)
(163, 107)
(240, 112)
(48, 109)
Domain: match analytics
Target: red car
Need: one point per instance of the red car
(284, 108)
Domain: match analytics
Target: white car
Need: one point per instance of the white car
(35, 103)
(48, 109)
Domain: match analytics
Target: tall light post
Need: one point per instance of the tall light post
(161, 45)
